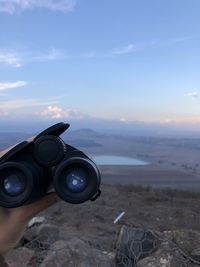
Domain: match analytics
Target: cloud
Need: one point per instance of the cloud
(193, 94)
(134, 47)
(56, 112)
(88, 55)
(10, 58)
(18, 59)
(51, 55)
(12, 85)
(169, 42)
(24, 107)
(14, 6)
(125, 50)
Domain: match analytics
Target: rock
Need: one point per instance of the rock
(57, 254)
(48, 233)
(76, 252)
(186, 240)
(19, 257)
(41, 237)
(30, 234)
(195, 254)
(163, 258)
(141, 248)
(134, 244)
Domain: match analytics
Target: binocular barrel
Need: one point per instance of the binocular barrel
(30, 169)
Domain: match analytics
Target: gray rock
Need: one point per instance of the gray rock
(76, 252)
(41, 237)
(195, 254)
(48, 233)
(186, 240)
(19, 257)
(163, 257)
(134, 244)
(141, 248)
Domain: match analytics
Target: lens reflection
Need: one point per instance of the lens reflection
(13, 184)
(76, 180)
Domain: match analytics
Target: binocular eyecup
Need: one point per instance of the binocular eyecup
(31, 168)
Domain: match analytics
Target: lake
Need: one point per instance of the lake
(117, 160)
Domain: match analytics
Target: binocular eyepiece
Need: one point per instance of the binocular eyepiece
(29, 169)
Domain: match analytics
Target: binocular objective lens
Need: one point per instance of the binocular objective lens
(76, 180)
(13, 185)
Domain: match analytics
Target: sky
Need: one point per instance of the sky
(121, 60)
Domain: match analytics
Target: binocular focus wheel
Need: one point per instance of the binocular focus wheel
(49, 150)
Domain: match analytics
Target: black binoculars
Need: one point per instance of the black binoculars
(29, 169)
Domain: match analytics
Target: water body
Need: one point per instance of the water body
(118, 160)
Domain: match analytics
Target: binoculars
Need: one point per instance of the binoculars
(31, 168)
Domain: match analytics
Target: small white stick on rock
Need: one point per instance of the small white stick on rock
(119, 217)
(36, 220)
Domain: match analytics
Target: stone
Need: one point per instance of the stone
(195, 254)
(134, 244)
(41, 237)
(19, 257)
(76, 252)
(143, 248)
(48, 233)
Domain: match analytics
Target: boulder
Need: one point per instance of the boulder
(76, 252)
(134, 244)
(19, 257)
(41, 236)
(144, 248)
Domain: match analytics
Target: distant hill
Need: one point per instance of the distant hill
(10, 138)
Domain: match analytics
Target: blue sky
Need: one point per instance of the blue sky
(123, 60)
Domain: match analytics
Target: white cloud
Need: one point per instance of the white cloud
(169, 42)
(18, 59)
(193, 94)
(125, 50)
(23, 107)
(134, 47)
(10, 58)
(88, 55)
(12, 85)
(51, 55)
(14, 6)
(56, 112)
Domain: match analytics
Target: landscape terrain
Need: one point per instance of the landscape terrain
(163, 195)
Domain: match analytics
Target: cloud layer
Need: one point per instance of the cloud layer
(14, 6)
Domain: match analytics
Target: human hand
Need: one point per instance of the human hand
(13, 221)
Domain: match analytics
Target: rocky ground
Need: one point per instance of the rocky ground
(159, 228)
